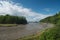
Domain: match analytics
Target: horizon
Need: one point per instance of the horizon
(33, 10)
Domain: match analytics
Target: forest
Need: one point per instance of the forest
(52, 19)
(9, 19)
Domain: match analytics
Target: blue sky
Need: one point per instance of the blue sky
(33, 10)
(41, 5)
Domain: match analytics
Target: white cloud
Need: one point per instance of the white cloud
(47, 9)
(13, 9)
(4, 0)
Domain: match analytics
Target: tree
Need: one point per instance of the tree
(8, 19)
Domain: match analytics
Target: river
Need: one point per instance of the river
(12, 33)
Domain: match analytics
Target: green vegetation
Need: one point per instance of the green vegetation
(52, 19)
(8, 19)
(48, 34)
(51, 34)
(8, 25)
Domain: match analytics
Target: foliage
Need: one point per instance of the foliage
(8, 25)
(51, 34)
(8, 19)
(52, 19)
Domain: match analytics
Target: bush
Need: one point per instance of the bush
(51, 34)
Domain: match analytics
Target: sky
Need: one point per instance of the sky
(33, 10)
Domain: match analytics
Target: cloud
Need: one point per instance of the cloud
(47, 9)
(4, 0)
(13, 9)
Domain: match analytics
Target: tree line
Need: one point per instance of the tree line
(52, 19)
(8, 19)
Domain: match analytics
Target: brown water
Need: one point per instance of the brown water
(12, 33)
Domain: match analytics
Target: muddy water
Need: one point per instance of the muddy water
(12, 33)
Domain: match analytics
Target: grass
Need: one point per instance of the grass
(51, 34)
(48, 34)
(7, 25)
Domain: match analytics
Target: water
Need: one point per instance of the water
(12, 33)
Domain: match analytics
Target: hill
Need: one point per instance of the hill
(52, 19)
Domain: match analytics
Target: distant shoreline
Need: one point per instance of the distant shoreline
(10, 25)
